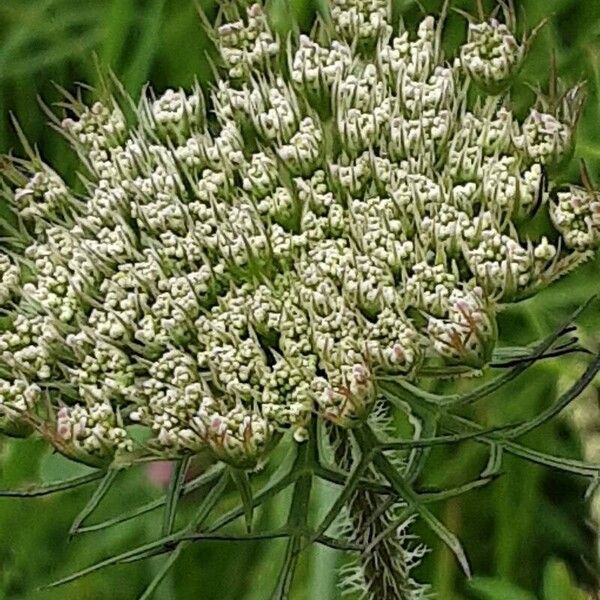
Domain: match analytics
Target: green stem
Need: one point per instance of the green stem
(383, 565)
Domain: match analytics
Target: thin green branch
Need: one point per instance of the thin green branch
(283, 477)
(53, 488)
(163, 544)
(574, 391)
(350, 486)
(99, 493)
(188, 488)
(455, 400)
(174, 493)
(242, 482)
(461, 425)
(368, 443)
(340, 477)
(441, 440)
(202, 514)
(298, 515)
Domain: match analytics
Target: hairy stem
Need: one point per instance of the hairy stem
(384, 566)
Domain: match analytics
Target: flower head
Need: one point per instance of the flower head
(335, 208)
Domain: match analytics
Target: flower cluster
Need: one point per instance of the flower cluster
(335, 208)
(91, 433)
(492, 55)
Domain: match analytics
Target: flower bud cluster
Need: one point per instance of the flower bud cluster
(101, 126)
(91, 433)
(466, 336)
(44, 195)
(492, 56)
(502, 266)
(17, 398)
(361, 20)
(239, 261)
(317, 68)
(10, 277)
(176, 112)
(247, 44)
(576, 214)
(545, 139)
(27, 347)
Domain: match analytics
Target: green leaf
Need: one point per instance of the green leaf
(174, 493)
(52, 488)
(490, 588)
(283, 477)
(558, 584)
(205, 508)
(160, 546)
(242, 482)
(99, 493)
(188, 488)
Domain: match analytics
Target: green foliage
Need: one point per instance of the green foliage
(512, 529)
(557, 585)
(490, 588)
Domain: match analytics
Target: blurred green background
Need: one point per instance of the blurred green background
(528, 535)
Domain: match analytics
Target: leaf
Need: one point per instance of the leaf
(174, 493)
(242, 481)
(558, 584)
(207, 505)
(53, 488)
(99, 493)
(188, 488)
(159, 546)
(491, 588)
(368, 442)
